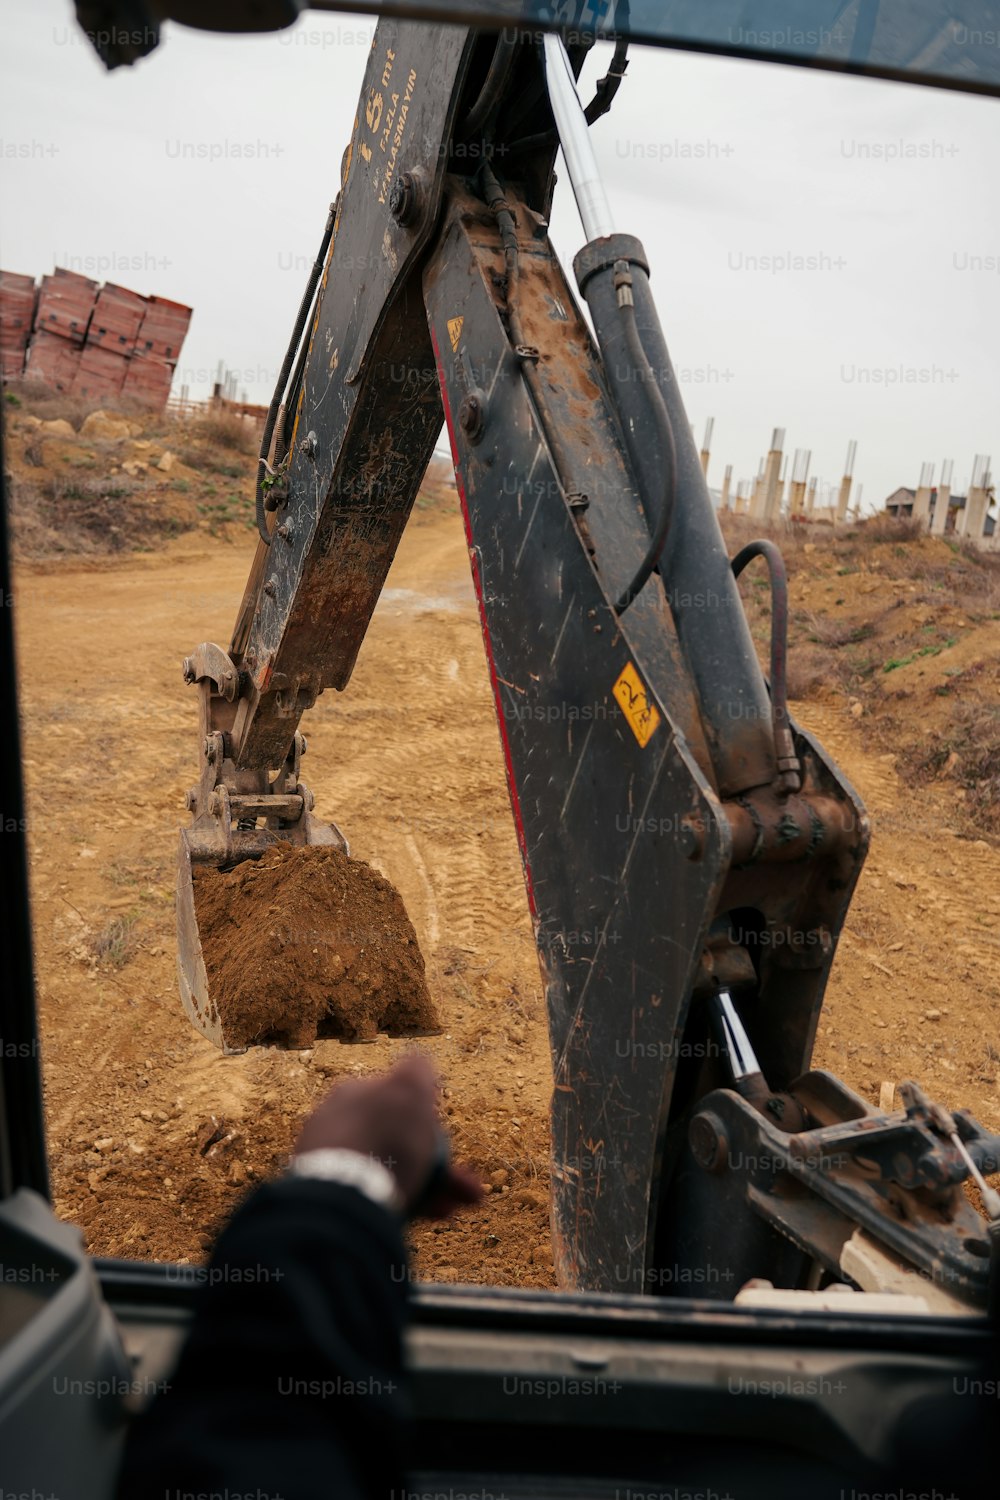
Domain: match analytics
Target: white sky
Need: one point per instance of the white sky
(721, 167)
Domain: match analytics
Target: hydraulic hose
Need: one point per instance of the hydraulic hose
(665, 510)
(604, 93)
(305, 307)
(789, 768)
(497, 204)
(491, 94)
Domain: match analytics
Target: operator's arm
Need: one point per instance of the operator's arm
(290, 1381)
(289, 1384)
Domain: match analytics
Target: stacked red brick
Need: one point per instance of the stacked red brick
(110, 341)
(97, 343)
(17, 314)
(65, 303)
(157, 349)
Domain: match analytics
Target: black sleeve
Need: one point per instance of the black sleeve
(289, 1382)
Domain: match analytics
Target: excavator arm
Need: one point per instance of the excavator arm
(689, 853)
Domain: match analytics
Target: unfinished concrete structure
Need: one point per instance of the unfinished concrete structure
(727, 480)
(844, 497)
(922, 499)
(706, 445)
(772, 470)
(797, 488)
(941, 509)
(977, 503)
(943, 512)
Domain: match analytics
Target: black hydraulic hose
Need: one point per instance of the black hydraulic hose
(491, 93)
(305, 307)
(528, 99)
(661, 526)
(788, 763)
(604, 93)
(498, 207)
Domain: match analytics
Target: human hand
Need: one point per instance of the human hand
(393, 1119)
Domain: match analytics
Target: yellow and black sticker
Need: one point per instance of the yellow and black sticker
(455, 331)
(633, 699)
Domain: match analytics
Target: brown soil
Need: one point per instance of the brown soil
(304, 942)
(154, 1135)
(904, 629)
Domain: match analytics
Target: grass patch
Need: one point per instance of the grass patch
(234, 510)
(125, 871)
(904, 661)
(117, 942)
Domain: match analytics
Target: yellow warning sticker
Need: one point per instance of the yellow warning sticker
(635, 703)
(455, 332)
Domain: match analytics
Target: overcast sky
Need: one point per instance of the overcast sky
(884, 331)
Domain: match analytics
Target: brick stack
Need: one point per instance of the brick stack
(17, 314)
(65, 303)
(93, 342)
(157, 348)
(110, 342)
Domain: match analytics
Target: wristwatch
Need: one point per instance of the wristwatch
(351, 1169)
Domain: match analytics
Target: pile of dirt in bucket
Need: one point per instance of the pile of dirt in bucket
(305, 942)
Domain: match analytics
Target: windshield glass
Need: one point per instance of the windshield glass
(951, 42)
(823, 264)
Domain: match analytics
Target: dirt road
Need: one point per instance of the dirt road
(154, 1135)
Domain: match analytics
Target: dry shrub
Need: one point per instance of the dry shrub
(965, 748)
(37, 400)
(68, 516)
(226, 430)
(206, 460)
(833, 633)
(810, 673)
(886, 528)
(116, 942)
(53, 406)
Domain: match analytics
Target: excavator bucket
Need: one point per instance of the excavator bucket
(192, 979)
(192, 975)
(238, 816)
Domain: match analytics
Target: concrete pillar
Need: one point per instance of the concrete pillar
(975, 513)
(922, 501)
(757, 495)
(977, 500)
(727, 480)
(942, 503)
(797, 488)
(772, 470)
(706, 447)
(844, 498)
(811, 494)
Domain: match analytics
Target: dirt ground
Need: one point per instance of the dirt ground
(154, 1135)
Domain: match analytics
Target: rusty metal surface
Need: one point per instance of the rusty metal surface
(369, 410)
(545, 450)
(192, 979)
(893, 1175)
(620, 911)
(236, 815)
